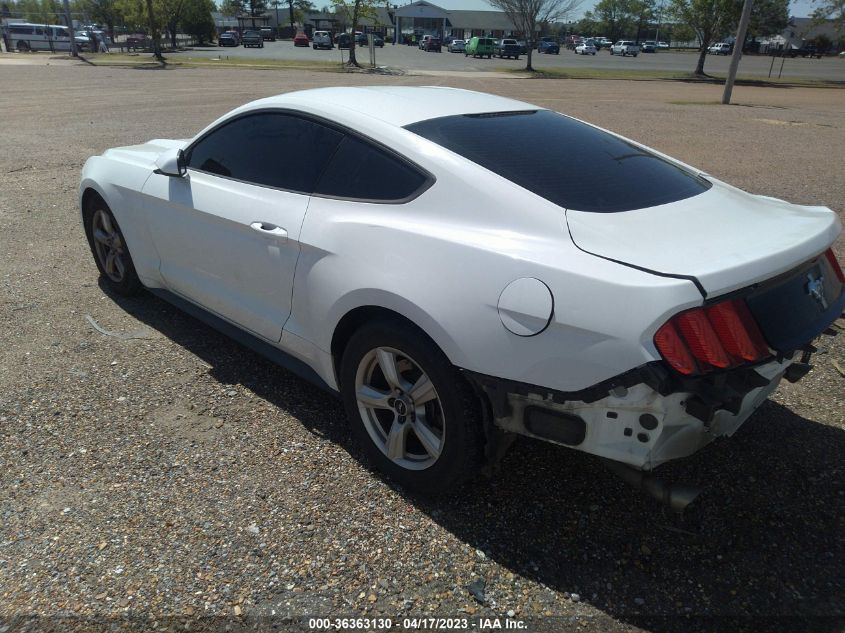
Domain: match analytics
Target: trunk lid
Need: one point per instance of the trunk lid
(724, 238)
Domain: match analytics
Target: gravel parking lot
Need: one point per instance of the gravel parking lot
(154, 473)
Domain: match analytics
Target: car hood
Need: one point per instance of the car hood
(146, 153)
(724, 238)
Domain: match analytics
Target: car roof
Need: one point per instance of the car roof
(395, 105)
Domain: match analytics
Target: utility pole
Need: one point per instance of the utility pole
(738, 44)
(73, 51)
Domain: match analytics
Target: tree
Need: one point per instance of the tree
(230, 7)
(613, 18)
(40, 11)
(768, 17)
(171, 12)
(642, 12)
(197, 21)
(709, 19)
(527, 15)
(146, 15)
(252, 8)
(103, 12)
(833, 10)
(358, 10)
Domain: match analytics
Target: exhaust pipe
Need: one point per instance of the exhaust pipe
(674, 496)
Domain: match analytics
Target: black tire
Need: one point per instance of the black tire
(461, 453)
(23, 47)
(129, 285)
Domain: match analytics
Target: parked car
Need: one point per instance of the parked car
(433, 45)
(506, 48)
(625, 48)
(343, 40)
(523, 47)
(662, 45)
(480, 47)
(602, 42)
(361, 40)
(252, 39)
(649, 46)
(268, 34)
(808, 50)
(457, 46)
(450, 335)
(24, 37)
(321, 39)
(722, 48)
(301, 39)
(423, 41)
(228, 38)
(585, 48)
(549, 48)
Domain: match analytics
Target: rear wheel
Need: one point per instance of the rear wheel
(411, 411)
(109, 249)
(23, 47)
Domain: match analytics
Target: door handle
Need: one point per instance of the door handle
(269, 229)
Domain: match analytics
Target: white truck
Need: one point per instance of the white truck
(625, 48)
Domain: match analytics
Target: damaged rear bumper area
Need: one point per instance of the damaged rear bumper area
(642, 418)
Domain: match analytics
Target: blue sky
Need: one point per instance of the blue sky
(801, 8)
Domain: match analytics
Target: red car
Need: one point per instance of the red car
(300, 40)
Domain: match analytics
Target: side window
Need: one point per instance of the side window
(364, 172)
(270, 149)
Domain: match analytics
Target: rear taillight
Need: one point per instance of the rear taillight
(719, 336)
(831, 258)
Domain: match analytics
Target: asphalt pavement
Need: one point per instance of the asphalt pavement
(412, 59)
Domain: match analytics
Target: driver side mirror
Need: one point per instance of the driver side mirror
(172, 163)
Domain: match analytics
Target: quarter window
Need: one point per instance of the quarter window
(270, 149)
(363, 172)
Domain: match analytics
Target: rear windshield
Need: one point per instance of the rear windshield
(563, 160)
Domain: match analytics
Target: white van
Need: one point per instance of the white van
(38, 37)
(322, 39)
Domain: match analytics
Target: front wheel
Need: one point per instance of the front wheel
(109, 248)
(410, 409)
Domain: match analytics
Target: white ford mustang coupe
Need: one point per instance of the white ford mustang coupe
(610, 299)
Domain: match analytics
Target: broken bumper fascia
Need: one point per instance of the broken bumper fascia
(642, 418)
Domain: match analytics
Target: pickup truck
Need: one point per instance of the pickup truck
(506, 48)
(805, 51)
(625, 48)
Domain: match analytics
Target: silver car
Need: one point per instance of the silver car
(457, 46)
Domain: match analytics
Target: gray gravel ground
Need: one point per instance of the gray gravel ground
(173, 475)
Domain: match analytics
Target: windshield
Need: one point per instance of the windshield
(605, 175)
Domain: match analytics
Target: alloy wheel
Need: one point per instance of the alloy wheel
(108, 244)
(400, 408)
